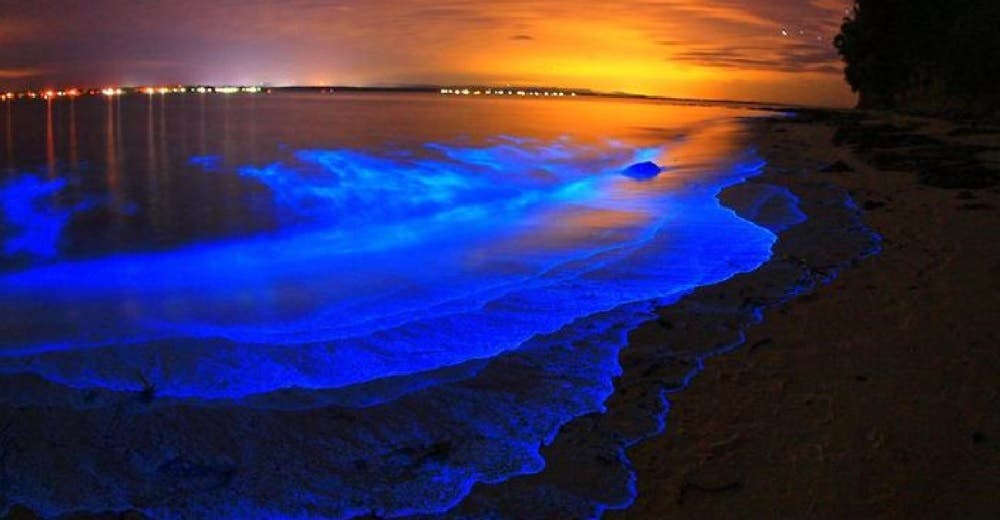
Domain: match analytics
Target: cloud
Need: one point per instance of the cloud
(791, 57)
(16, 30)
(20, 73)
(427, 41)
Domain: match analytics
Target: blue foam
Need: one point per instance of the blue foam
(394, 279)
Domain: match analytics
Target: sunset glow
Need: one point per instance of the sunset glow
(748, 50)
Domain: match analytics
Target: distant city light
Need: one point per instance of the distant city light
(50, 94)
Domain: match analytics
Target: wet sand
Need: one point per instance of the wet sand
(878, 395)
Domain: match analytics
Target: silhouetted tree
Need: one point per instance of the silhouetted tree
(923, 53)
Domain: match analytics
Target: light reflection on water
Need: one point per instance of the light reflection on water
(9, 135)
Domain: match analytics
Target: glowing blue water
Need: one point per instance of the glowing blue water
(474, 296)
(36, 223)
(387, 266)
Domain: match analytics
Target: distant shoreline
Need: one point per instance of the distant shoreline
(43, 94)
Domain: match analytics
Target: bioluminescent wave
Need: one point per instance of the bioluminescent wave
(386, 267)
(34, 222)
(410, 322)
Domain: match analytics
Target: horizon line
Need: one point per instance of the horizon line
(414, 88)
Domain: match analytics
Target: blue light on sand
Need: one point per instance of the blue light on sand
(395, 278)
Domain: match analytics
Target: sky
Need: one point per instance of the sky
(764, 50)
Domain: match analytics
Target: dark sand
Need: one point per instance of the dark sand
(879, 394)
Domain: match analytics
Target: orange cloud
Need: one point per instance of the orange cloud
(778, 50)
(20, 73)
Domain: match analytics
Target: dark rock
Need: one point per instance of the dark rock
(642, 171)
(871, 205)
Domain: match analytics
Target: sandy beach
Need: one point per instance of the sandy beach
(875, 395)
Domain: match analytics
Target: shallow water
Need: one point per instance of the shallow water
(447, 272)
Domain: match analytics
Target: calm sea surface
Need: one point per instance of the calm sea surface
(139, 154)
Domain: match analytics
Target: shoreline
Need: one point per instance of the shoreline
(708, 461)
(587, 471)
(877, 394)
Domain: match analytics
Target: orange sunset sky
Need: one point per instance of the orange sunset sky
(771, 50)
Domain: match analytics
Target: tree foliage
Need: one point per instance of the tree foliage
(923, 53)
